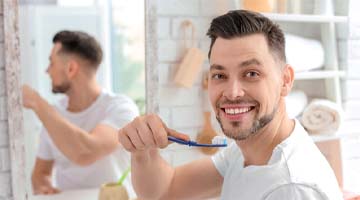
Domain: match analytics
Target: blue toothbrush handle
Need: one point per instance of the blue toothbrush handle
(177, 140)
(192, 143)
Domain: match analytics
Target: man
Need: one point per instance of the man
(272, 158)
(80, 135)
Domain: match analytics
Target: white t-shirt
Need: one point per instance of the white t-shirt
(109, 109)
(296, 170)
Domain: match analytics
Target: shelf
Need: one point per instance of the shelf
(324, 137)
(306, 18)
(319, 74)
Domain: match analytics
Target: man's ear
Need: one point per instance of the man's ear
(72, 69)
(287, 80)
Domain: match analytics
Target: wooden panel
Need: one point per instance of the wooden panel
(13, 93)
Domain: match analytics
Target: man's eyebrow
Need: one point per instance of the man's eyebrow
(249, 62)
(216, 67)
(245, 63)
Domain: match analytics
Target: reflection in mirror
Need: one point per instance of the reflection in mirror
(118, 26)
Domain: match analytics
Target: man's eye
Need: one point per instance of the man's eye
(252, 74)
(217, 76)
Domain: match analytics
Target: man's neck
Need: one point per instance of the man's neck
(257, 149)
(81, 96)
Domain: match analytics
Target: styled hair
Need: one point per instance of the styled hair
(80, 44)
(239, 23)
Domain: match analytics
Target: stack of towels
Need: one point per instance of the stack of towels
(303, 54)
(322, 117)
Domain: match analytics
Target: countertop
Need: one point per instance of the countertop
(85, 194)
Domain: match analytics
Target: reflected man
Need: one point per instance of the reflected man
(79, 138)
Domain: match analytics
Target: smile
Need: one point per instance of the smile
(235, 111)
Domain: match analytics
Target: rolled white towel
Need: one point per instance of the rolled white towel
(322, 117)
(296, 102)
(303, 53)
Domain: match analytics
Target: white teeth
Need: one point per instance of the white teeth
(233, 111)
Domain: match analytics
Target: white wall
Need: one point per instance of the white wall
(349, 48)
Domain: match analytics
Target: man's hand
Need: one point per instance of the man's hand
(30, 97)
(41, 177)
(146, 132)
(45, 190)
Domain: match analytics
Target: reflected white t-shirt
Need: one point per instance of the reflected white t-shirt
(109, 109)
(296, 170)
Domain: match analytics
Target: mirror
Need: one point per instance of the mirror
(118, 25)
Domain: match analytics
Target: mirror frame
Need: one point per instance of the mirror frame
(14, 102)
(151, 57)
(13, 86)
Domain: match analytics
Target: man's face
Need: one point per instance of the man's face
(244, 84)
(57, 70)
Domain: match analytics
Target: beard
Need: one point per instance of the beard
(235, 133)
(62, 88)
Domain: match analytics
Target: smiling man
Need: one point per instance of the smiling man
(272, 158)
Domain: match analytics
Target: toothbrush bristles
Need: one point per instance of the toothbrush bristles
(219, 140)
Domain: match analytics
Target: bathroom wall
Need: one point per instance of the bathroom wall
(182, 108)
(349, 48)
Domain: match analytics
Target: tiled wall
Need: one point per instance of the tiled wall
(5, 177)
(182, 108)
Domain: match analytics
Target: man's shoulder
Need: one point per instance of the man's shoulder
(110, 98)
(305, 164)
(118, 102)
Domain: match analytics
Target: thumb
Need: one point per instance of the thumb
(175, 133)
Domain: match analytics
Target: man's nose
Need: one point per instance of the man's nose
(234, 90)
(47, 69)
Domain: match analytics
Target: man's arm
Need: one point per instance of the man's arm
(152, 176)
(41, 177)
(76, 144)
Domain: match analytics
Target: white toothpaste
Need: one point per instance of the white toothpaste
(219, 140)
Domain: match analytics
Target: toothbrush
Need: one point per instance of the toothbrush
(217, 141)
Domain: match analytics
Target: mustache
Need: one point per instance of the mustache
(238, 101)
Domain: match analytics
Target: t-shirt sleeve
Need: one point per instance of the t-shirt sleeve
(45, 151)
(296, 192)
(120, 112)
(222, 160)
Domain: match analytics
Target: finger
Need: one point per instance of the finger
(135, 138)
(46, 191)
(145, 134)
(159, 133)
(125, 141)
(55, 190)
(175, 133)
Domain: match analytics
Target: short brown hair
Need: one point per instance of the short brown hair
(81, 44)
(240, 23)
